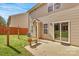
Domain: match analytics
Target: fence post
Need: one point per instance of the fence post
(18, 31)
(8, 37)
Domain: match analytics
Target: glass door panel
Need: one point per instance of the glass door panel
(57, 31)
(64, 31)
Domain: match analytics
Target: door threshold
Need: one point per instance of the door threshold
(65, 43)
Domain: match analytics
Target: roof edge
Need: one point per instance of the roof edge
(35, 7)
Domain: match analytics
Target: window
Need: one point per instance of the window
(57, 5)
(50, 7)
(45, 28)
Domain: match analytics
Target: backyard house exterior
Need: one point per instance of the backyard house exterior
(55, 21)
(18, 21)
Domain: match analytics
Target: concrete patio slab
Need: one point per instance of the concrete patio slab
(49, 48)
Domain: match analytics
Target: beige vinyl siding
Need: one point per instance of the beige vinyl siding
(68, 11)
(43, 10)
(39, 12)
(65, 6)
(72, 15)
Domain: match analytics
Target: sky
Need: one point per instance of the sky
(7, 9)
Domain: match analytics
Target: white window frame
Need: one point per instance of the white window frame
(59, 8)
(52, 7)
(46, 29)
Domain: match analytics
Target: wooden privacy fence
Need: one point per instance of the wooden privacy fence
(3, 30)
(13, 30)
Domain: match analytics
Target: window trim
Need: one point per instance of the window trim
(53, 7)
(45, 28)
(50, 6)
(58, 8)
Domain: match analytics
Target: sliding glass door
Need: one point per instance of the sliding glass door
(61, 31)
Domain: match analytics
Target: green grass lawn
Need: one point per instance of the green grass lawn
(16, 47)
